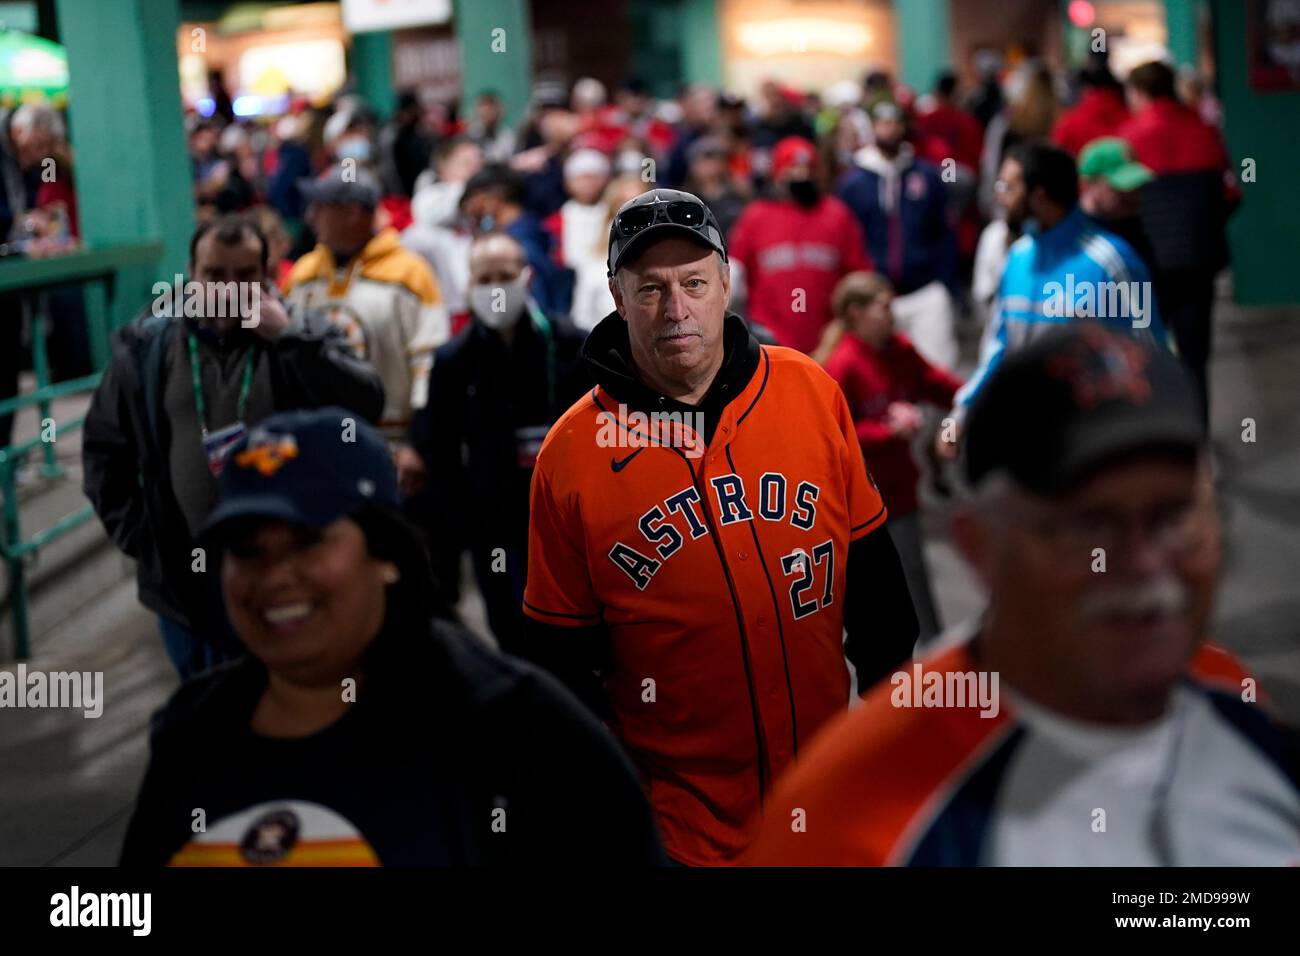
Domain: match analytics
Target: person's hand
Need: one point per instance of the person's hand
(410, 470)
(947, 440)
(530, 160)
(272, 319)
(47, 246)
(904, 419)
(219, 175)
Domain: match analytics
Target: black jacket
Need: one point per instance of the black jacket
(480, 393)
(126, 436)
(444, 736)
(1185, 215)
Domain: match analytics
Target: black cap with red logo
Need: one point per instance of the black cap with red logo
(1073, 400)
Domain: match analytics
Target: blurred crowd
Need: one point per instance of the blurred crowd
(860, 198)
(447, 279)
(918, 170)
(38, 217)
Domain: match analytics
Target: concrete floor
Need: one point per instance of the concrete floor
(67, 783)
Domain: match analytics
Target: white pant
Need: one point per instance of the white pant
(928, 318)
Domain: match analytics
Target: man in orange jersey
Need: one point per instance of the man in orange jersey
(1086, 721)
(703, 532)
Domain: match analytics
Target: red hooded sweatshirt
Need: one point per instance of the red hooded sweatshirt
(793, 257)
(1099, 112)
(873, 378)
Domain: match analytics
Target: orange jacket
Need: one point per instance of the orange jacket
(890, 785)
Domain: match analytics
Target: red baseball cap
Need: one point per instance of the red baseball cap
(791, 150)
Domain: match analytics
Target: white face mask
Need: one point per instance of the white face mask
(499, 305)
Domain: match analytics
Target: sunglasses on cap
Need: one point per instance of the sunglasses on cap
(680, 212)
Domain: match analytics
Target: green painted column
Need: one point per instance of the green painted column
(924, 48)
(372, 68)
(124, 116)
(701, 42)
(1076, 41)
(1182, 18)
(495, 53)
(1260, 128)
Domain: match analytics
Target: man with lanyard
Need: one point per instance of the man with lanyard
(494, 391)
(187, 379)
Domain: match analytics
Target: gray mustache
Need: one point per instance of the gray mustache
(1165, 594)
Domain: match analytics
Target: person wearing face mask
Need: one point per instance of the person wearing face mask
(494, 200)
(384, 297)
(348, 137)
(494, 392)
(794, 247)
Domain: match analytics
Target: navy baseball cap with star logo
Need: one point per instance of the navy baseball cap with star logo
(655, 215)
(1062, 406)
(305, 467)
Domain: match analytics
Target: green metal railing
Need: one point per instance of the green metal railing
(95, 270)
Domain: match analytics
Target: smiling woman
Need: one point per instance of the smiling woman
(317, 606)
(364, 726)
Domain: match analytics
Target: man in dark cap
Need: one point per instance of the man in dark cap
(1084, 719)
(702, 532)
(384, 297)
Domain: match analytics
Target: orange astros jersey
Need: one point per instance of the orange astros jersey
(720, 578)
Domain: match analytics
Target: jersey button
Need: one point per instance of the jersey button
(743, 555)
(762, 622)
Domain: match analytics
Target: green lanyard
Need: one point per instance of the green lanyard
(543, 325)
(196, 378)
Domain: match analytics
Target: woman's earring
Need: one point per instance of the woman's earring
(391, 575)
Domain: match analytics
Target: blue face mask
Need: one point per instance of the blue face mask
(356, 148)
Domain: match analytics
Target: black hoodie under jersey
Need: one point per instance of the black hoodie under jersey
(881, 631)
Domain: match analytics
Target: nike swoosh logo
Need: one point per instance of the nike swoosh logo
(616, 465)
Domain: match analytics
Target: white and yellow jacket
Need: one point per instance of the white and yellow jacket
(387, 302)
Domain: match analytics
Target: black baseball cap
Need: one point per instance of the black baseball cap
(342, 184)
(304, 467)
(1075, 399)
(656, 215)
